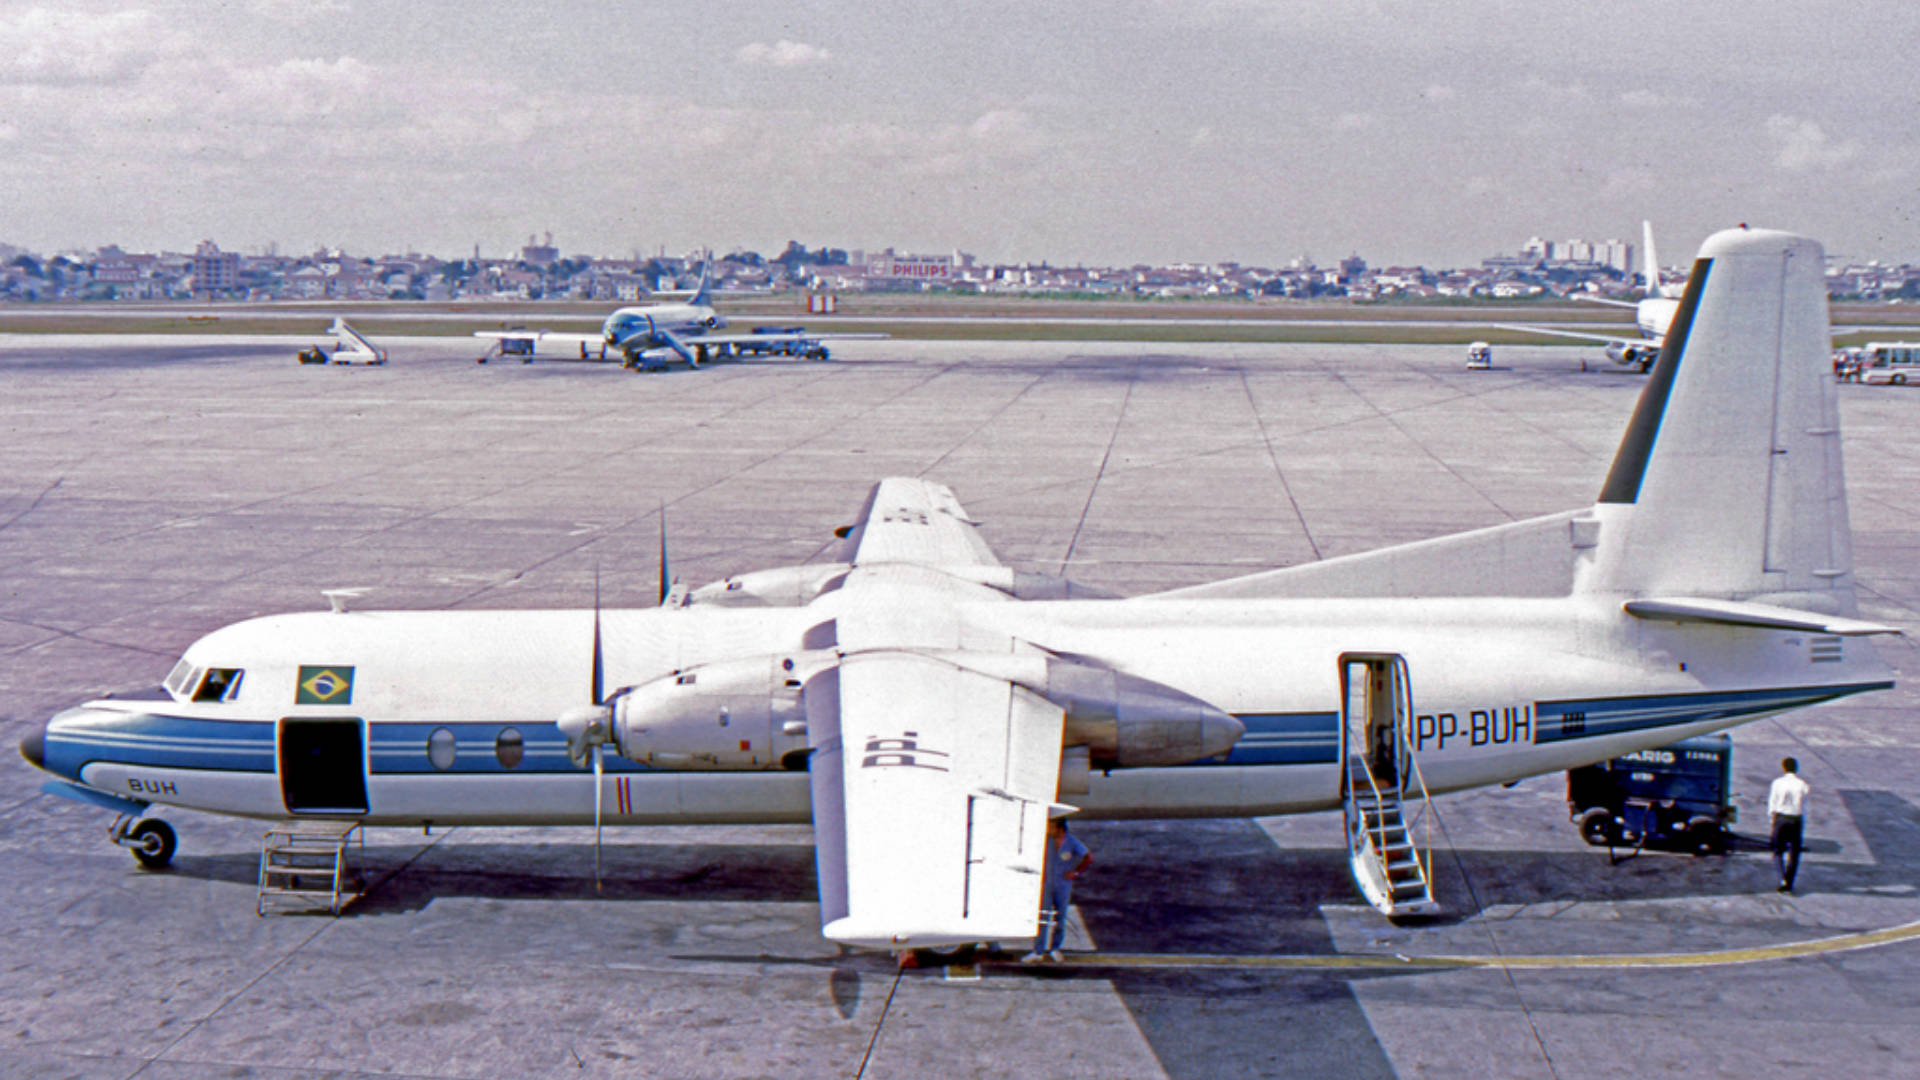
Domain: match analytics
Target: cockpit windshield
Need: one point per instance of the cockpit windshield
(182, 677)
(220, 684)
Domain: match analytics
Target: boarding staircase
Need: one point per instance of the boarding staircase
(306, 865)
(1388, 850)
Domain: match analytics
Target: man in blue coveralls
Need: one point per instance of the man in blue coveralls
(1066, 859)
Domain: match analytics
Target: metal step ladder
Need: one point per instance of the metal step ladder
(1393, 874)
(305, 864)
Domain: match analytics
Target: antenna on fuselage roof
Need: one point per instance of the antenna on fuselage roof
(337, 598)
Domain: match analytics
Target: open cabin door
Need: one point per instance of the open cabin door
(1380, 782)
(323, 765)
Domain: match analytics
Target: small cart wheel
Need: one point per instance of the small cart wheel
(153, 843)
(1598, 827)
(1706, 837)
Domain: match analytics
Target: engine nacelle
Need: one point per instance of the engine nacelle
(784, 586)
(1125, 720)
(737, 714)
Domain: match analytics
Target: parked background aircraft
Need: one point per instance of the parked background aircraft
(927, 708)
(651, 335)
(1652, 314)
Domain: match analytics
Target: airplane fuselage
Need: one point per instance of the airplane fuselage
(455, 711)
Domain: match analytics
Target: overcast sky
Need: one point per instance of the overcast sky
(1250, 130)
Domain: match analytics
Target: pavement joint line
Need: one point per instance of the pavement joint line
(1863, 939)
(1093, 489)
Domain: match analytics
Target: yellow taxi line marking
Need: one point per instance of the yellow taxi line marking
(1864, 939)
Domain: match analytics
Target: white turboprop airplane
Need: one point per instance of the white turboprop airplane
(649, 336)
(1653, 314)
(927, 708)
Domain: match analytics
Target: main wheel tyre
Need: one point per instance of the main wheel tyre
(1597, 827)
(1706, 838)
(154, 842)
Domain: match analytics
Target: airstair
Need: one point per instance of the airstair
(1387, 849)
(306, 865)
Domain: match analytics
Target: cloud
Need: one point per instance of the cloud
(1629, 185)
(781, 54)
(60, 47)
(1802, 145)
(299, 11)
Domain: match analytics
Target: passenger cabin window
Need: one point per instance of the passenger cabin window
(220, 684)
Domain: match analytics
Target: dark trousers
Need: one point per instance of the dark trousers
(1786, 847)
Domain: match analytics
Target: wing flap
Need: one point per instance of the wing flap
(931, 788)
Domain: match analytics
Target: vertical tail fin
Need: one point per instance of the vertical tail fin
(1728, 482)
(701, 293)
(1650, 263)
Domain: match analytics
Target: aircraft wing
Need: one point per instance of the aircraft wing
(798, 335)
(931, 788)
(917, 521)
(540, 337)
(1609, 339)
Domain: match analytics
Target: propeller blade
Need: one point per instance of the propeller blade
(665, 582)
(599, 665)
(598, 797)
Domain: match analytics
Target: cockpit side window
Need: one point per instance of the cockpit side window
(181, 678)
(221, 684)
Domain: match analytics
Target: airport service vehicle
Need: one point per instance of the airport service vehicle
(350, 346)
(1479, 356)
(1890, 363)
(648, 337)
(1666, 796)
(927, 708)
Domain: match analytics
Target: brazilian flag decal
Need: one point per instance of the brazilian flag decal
(324, 686)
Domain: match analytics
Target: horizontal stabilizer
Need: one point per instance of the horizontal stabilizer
(1742, 613)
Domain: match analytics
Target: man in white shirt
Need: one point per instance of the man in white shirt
(1786, 804)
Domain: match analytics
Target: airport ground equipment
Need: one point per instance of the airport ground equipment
(350, 346)
(1479, 356)
(307, 864)
(1671, 796)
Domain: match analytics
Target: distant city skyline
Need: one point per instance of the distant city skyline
(1251, 131)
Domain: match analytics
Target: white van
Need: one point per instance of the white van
(1890, 362)
(1479, 356)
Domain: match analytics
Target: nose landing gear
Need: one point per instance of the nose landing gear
(151, 840)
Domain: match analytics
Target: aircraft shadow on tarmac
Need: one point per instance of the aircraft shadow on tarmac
(1166, 887)
(1209, 886)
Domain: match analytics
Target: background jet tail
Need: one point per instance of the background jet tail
(702, 293)
(1728, 482)
(1649, 262)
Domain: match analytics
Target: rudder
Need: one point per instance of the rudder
(1728, 482)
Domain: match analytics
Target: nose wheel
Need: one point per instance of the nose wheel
(151, 840)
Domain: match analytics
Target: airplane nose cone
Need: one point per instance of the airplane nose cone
(34, 747)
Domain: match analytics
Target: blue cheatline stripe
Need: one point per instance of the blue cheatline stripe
(400, 748)
(1285, 739)
(1636, 446)
(1558, 721)
(172, 742)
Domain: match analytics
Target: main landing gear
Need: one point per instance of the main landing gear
(151, 840)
